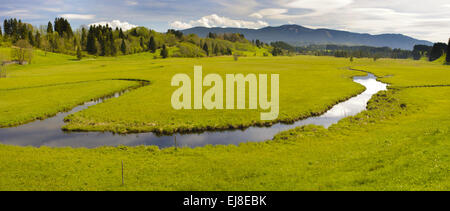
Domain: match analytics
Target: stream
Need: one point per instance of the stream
(48, 132)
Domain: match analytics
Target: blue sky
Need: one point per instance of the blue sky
(428, 20)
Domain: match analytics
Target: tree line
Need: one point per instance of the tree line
(102, 40)
(283, 48)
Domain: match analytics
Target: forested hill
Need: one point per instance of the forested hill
(103, 40)
(301, 36)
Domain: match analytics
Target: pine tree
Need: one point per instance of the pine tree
(49, 28)
(447, 59)
(205, 48)
(90, 45)
(152, 45)
(31, 38)
(121, 35)
(141, 42)
(79, 55)
(216, 50)
(229, 51)
(112, 45)
(123, 47)
(37, 38)
(164, 52)
(83, 38)
(437, 51)
(6, 27)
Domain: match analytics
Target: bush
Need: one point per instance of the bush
(188, 50)
(235, 56)
(22, 52)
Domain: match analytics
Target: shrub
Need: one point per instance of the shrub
(22, 52)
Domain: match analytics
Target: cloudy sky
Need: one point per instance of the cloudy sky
(429, 20)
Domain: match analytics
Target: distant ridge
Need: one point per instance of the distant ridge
(301, 36)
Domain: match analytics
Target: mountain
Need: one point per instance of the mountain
(300, 36)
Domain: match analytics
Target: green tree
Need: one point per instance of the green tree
(79, 54)
(141, 42)
(277, 51)
(164, 52)
(205, 48)
(216, 50)
(112, 45)
(152, 45)
(123, 47)
(447, 59)
(62, 26)
(90, 43)
(2, 66)
(83, 38)
(31, 38)
(6, 27)
(437, 51)
(37, 38)
(49, 28)
(121, 35)
(22, 52)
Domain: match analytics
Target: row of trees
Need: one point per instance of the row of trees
(282, 48)
(432, 52)
(437, 51)
(58, 36)
(106, 41)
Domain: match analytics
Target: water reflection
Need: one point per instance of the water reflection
(48, 132)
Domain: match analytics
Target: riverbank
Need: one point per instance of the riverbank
(388, 147)
(49, 133)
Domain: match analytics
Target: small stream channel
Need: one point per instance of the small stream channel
(48, 132)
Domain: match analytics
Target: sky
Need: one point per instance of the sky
(427, 20)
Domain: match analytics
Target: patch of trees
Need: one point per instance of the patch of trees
(283, 45)
(258, 43)
(437, 51)
(100, 41)
(176, 33)
(420, 51)
(354, 51)
(16, 30)
(276, 51)
(62, 26)
(58, 36)
(232, 37)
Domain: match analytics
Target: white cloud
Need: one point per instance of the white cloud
(256, 15)
(19, 13)
(271, 13)
(218, 21)
(131, 3)
(180, 25)
(13, 12)
(115, 23)
(78, 16)
(319, 7)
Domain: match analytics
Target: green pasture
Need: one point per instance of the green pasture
(400, 143)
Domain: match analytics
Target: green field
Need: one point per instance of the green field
(147, 109)
(400, 143)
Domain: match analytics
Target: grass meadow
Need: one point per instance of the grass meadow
(401, 142)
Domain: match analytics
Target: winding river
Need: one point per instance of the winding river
(48, 132)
